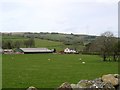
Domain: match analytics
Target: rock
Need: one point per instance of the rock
(107, 82)
(109, 86)
(31, 88)
(116, 75)
(110, 79)
(117, 87)
(73, 85)
(98, 79)
(97, 83)
(65, 86)
(84, 84)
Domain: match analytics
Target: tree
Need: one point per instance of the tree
(4, 46)
(26, 43)
(17, 44)
(29, 43)
(8, 44)
(116, 50)
(106, 44)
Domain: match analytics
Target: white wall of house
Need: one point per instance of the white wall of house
(67, 50)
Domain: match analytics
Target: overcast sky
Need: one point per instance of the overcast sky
(65, 16)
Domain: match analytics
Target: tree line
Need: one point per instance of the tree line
(10, 44)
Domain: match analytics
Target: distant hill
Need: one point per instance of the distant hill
(52, 40)
(61, 37)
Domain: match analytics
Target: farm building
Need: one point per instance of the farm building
(36, 50)
(18, 51)
(67, 50)
(8, 51)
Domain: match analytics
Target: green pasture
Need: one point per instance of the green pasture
(50, 70)
(49, 44)
(59, 46)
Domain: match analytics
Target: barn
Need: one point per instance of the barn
(8, 51)
(36, 50)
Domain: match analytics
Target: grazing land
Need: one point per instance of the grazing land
(50, 70)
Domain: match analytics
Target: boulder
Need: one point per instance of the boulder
(65, 86)
(98, 80)
(109, 86)
(84, 84)
(116, 75)
(117, 87)
(110, 78)
(73, 85)
(98, 84)
(32, 88)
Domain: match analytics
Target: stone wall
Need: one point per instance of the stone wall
(106, 82)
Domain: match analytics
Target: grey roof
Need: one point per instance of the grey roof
(8, 50)
(35, 50)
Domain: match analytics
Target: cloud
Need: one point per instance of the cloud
(107, 1)
(70, 16)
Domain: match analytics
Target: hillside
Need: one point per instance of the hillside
(59, 41)
(61, 36)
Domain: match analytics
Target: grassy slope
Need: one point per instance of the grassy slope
(49, 44)
(52, 44)
(22, 71)
(42, 43)
(38, 42)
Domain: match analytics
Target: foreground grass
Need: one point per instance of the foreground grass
(21, 71)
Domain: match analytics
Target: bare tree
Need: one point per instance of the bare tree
(106, 44)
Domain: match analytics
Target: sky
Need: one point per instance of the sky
(91, 17)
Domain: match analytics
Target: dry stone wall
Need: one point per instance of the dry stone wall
(106, 82)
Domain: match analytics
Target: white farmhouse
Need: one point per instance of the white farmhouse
(67, 50)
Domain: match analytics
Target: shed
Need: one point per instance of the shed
(18, 51)
(8, 51)
(36, 50)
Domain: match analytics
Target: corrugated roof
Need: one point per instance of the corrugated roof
(35, 50)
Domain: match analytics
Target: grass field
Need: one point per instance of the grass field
(59, 46)
(49, 44)
(50, 70)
